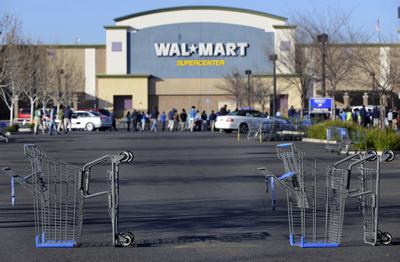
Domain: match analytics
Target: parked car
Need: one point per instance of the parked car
(24, 114)
(244, 120)
(102, 111)
(89, 120)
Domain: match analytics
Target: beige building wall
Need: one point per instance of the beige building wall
(206, 95)
(109, 86)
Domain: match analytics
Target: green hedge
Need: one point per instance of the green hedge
(376, 139)
(13, 128)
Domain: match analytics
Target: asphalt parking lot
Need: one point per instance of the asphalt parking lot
(186, 197)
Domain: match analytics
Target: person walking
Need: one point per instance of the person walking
(395, 114)
(183, 117)
(143, 120)
(223, 111)
(67, 120)
(349, 116)
(176, 120)
(134, 119)
(38, 118)
(291, 112)
(212, 118)
(128, 120)
(192, 117)
(163, 119)
(139, 121)
(204, 125)
(60, 117)
(114, 121)
(171, 120)
(363, 116)
(53, 115)
(390, 118)
(153, 118)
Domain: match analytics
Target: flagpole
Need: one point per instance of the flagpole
(378, 29)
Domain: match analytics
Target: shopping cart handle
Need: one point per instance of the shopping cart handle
(285, 145)
(349, 158)
(286, 176)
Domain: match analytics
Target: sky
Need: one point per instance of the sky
(66, 21)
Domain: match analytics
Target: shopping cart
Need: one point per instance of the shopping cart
(340, 139)
(118, 238)
(3, 136)
(254, 130)
(316, 196)
(58, 191)
(333, 138)
(270, 130)
(368, 192)
(288, 154)
(315, 199)
(57, 201)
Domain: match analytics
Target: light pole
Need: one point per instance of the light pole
(323, 39)
(273, 58)
(236, 75)
(60, 72)
(372, 74)
(248, 73)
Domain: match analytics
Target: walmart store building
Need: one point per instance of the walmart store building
(178, 57)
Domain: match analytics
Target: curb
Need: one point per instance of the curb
(314, 140)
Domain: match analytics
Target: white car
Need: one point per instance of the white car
(89, 120)
(244, 120)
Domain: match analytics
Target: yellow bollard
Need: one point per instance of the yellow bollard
(238, 134)
(259, 132)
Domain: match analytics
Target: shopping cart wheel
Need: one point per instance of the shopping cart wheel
(386, 238)
(389, 154)
(371, 152)
(126, 239)
(128, 156)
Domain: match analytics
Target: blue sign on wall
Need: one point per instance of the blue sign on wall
(320, 105)
(199, 50)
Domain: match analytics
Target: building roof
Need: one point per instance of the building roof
(180, 8)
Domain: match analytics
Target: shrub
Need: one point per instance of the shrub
(12, 128)
(375, 138)
(318, 131)
(30, 126)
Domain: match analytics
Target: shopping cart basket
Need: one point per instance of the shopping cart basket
(58, 191)
(315, 199)
(57, 201)
(3, 136)
(333, 138)
(368, 192)
(341, 139)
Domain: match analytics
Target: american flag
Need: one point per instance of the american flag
(378, 26)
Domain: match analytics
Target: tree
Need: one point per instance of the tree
(383, 66)
(297, 65)
(12, 80)
(262, 92)
(36, 65)
(235, 84)
(307, 63)
(65, 79)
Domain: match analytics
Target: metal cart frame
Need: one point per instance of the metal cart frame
(59, 189)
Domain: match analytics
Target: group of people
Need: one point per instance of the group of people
(371, 117)
(172, 121)
(42, 120)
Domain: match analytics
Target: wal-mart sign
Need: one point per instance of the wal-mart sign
(320, 105)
